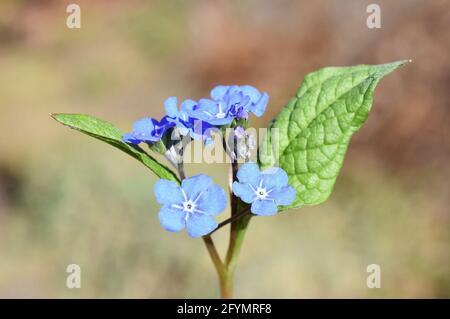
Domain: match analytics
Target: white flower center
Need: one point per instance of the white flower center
(189, 206)
(261, 193)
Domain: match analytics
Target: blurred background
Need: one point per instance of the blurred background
(66, 198)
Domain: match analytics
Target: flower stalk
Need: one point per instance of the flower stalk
(239, 219)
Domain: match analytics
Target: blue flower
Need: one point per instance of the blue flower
(264, 190)
(147, 130)
(186, 124)
(229, 103)
(192, 205)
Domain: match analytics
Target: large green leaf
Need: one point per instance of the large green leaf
(108, 133)
(312, 132)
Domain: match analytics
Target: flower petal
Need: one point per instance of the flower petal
(274, 177)
(130, 138)
(188, 106)
(200, 224)
(238, 98)
(260, 106)
(144, 126)
(251, 91)
(219, 121)
(213, 201)
(207, 107)
(146, 130)
(284, 196)
(264, 207)
(194, 185)
(244, 192)
(172, 219)
(249, 174)
(219, 92)
(171, 106)
(168, 192)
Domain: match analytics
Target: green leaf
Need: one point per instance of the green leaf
(313, 130)
(108, 133)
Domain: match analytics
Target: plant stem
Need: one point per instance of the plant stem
(233, 199)
(233, 218)
(212, 250)
(239, 228)
(218, 264)
(239, 222)
(181, 171)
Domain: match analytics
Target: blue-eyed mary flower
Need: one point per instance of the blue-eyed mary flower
(147, 130)
(191, 205)
(230, 102)
(265, 190)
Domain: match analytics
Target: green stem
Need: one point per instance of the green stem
(239, 221)
(233, 218)
(239, 228)
(237, 232)
(218, 264)
(181, 171)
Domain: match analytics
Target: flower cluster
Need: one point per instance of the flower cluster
(194, 203)
(198, 118)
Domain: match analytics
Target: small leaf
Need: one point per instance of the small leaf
(313, 130)
(108, 133)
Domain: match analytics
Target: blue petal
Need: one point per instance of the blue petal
(188, 106)
(264, 207)
(171, 106)
(252, 92)
(130, 138)
(260, 107)
(167, 122)
(168, 192)
(172, 219)
(194, 185)
(274, 177)
(147, 129)
(144, 126)
(219, 92)
(249, 174)
(220, 121)
(200, 130)
(207, 111)
(232, 90)
(284, 196)
(244, 192)
(238, 98)
(182, 123)
(213, 201)
(207, 106)
(199, 224)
